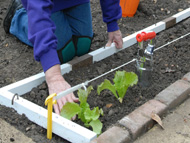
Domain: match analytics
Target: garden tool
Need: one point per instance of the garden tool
(145, 57)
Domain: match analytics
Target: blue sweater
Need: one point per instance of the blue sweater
(41, 28)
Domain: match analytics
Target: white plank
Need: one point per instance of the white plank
(158, 27)
(66, 68)
(61, 126)
(103, 53)
(23, 86)
(129, 40)
(182, 15)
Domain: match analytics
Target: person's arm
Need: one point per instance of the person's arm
(41, 34)
(111, 12)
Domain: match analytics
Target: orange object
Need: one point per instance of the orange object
(143, 36)
(129, 7)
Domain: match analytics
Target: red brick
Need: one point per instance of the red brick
(152, 106)
(139, 121)
(175, 94)
(113, 135)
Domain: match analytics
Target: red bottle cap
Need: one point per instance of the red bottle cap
(143, 36)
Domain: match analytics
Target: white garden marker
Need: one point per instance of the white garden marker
(61, 126)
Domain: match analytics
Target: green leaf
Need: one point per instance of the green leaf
(81, 116)
(89, 89)
(122, 81)
(121, 92)
(92, 114)
(85, 105)
(86, 125)
(101, 112)
(119, 79)
(69, 110)
(120, 84)
(83, 95)
(96, 126)
(131, 78)
(107, 85)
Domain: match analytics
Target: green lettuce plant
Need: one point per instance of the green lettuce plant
(122, 81)
(89, 117)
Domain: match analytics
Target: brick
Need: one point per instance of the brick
(171, 21)
(152, 106)
(113, 135)
(82, 61)
(175, 94)
(186, 77)
(139, 121)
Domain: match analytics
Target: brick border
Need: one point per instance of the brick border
(132, 126)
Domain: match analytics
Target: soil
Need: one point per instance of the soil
(170, 64)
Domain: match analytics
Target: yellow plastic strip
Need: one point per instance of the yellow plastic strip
(49, 102)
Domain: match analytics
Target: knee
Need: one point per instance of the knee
(77, 46)
(82, 44)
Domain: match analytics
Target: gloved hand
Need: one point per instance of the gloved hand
(56, 84)
(115, 37)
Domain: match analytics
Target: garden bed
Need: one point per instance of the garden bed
(171, 63)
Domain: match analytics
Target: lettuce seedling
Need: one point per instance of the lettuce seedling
(122, 81)
(89, 117)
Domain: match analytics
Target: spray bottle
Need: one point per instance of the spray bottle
(144, 60)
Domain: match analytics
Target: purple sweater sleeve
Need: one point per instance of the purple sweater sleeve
(111, 13)
(41, 32)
